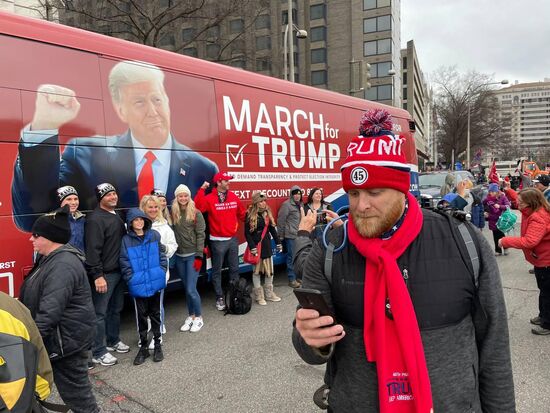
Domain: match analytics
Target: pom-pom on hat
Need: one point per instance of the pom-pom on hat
(181, 188)
(54, 226)
(376, 158)
(493, 187)
(103, 189)
(65, 191)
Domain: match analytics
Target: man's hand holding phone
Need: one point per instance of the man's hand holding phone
(314, 321)
(318, 331)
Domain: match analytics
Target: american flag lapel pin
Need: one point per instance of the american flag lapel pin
(182, 172)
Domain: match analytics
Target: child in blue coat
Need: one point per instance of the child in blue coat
(143, 265)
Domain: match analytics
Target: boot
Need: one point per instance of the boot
(142, 354)
(157, 355)
(259, 295)
(270, 295)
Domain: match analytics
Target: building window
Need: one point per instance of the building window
(236, 26)
(263, 22)
(263, 42)
(188, 34)
(405, 78)
(380, 69)
(318, 11)
(377, 24)
(319, 55)
(318, 34)
(294, 16)
(382, 92)
(263, 64)
(241, 63)
(213, 51)
(318, 77)
(404, 62)
(213, 31)
(167, 40)
(190, 51)
(405, 105)
(375, 47)
(373, 4)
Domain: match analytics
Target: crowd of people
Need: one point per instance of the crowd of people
(411, 321)
(85, 262)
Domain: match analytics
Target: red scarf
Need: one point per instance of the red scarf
(394, 345)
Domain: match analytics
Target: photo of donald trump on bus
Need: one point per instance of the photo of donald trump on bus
(144, 157)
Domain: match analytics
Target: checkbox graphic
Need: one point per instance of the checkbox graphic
(9, 276)
(235, 155)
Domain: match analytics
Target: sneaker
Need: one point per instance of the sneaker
(540, 331)
(163, 329)
(498, 254)
(119, 347)
(536, 321)
(505, 252)
(152, 344)
(142, 354)
(532, 271)
(197, 324)
(294, 284)
(220, 304)
(187, 323)
(91, 365)
(105, 360)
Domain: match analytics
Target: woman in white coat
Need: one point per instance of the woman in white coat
(150, 204)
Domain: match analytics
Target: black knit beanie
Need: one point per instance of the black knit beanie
(54, 226)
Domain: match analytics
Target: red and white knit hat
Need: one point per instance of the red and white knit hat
(376, 157)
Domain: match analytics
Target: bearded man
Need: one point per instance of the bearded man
(407, 335)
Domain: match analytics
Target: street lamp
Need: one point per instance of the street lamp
(502, 82)
(300, 34)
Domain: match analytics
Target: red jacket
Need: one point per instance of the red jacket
(535, 237)
(223, 217)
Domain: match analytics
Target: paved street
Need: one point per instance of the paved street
(247, 363)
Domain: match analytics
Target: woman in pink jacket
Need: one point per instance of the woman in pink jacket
(535, 244)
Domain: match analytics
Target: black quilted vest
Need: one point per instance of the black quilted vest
(437, 271)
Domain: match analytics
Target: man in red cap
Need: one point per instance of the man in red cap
(224, 210)
(405, 337)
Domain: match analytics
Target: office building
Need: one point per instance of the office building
(524, 116)
(416, 100)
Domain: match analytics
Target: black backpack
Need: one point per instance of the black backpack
(237, 298)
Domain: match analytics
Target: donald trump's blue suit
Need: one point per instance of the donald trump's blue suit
(87, 162)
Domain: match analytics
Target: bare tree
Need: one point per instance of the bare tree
(160, 23)
(456, 93)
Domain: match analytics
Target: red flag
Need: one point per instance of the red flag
(493, 174)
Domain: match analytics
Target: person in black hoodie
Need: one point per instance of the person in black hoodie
(104, 232)
(58, 296)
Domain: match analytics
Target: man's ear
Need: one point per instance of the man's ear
(120, 111)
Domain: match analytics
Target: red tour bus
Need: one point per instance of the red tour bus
(64, 121)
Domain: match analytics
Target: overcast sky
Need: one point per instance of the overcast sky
(507, 38)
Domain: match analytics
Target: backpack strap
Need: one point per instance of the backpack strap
(328, 262)
(472, 251)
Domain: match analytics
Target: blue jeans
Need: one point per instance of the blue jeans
(219, 250)
(107, 311)
(189, 279)
(289, 259)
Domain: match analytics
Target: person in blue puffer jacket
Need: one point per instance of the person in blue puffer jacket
(143, 264)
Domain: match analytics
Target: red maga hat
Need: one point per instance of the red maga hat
(222, 176)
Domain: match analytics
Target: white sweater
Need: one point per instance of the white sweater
(168, 239)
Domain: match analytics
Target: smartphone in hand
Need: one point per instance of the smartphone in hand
(313, 300)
